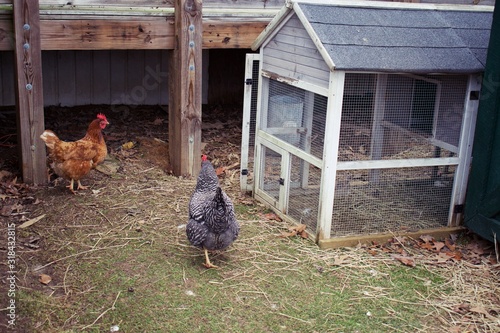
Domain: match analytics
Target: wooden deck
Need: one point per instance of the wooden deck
(123, 24)
(185, 27)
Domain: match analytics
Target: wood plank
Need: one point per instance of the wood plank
(7, 92)
(29, 99)
(162, 76)
(152, 60)
(83, 77)
(66, 69)
(350, 241)
(50, 87)
(107, 34)
(100, 85)
(226, 34)
(6, 34)
(123, 33)
(118, 73)
(185, 101)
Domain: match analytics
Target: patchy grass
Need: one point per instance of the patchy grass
(118, 256)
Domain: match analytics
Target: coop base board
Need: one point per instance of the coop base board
(350, 241)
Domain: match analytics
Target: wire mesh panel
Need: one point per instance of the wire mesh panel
(409, 125)
(397, 118)
(305, 186)
(404, 199)
(271, 173)
(296, 116)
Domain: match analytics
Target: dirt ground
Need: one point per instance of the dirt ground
(137, 140)
(129, 191)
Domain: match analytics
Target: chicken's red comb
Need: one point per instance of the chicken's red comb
(101, 116)
(204, 157)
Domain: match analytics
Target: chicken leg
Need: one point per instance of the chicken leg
(207, 263)
(78, 187)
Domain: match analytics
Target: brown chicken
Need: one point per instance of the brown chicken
(74, 160)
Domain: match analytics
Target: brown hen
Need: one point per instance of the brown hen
(74, 160)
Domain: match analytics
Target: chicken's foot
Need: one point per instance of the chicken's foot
(207, 263)
(70, 186)
(80, 186)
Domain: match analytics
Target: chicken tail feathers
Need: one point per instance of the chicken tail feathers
(50, 138)
(220, 202)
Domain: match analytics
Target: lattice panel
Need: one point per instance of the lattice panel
(403, 199)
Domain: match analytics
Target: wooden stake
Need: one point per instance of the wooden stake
(185, 83)
(29, 91)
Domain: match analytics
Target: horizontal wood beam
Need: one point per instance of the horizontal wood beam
(351, 241)
(151, 33)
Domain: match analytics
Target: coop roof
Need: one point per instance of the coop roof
(390, 37)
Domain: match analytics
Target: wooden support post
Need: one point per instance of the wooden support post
(185, 92)
(29, 91)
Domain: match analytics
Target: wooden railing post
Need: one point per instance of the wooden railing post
(29, 91)
(185, 89)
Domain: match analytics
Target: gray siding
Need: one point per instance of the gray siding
(291, 53)
(132, 77)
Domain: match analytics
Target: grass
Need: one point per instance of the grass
(151, 280)
(118, 256)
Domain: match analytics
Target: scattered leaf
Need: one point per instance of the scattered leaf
(427, 238)
(449, 244)
(45, 279)
(128, 145)
(438, 246)
(31, 222)
(339, 260)
(271, 216)
(407, 261)
(220, 170)
(295, 230)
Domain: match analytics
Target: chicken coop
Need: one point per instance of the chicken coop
(363, 117)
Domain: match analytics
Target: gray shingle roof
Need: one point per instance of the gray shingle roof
(402, 40)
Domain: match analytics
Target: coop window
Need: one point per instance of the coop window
(296, 117)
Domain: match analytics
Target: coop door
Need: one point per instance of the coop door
(248, 126)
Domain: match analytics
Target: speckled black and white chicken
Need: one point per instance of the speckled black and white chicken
(212, 223)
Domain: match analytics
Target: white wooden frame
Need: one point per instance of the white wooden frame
(245, 128)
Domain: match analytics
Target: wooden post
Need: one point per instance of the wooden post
(29, 91)
(185, 88)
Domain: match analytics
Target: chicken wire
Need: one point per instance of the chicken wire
(296, 116)
(386, 118)
(252, 123)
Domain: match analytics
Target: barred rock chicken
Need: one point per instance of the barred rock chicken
(74, 160)
(212, 224)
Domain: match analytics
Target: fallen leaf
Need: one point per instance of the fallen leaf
(220, 170)
(7, 210)
(427, 238)
(304, 234)
(158, 121)
(479, 309)
(128, 145)
(427, 246)
(449, 244)
(438, 246)
(339, 260)
(271, 216)
(407, 261)
(45, 279)
(31, 222)
(295, 230)
(442, 258)
(462, 308)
